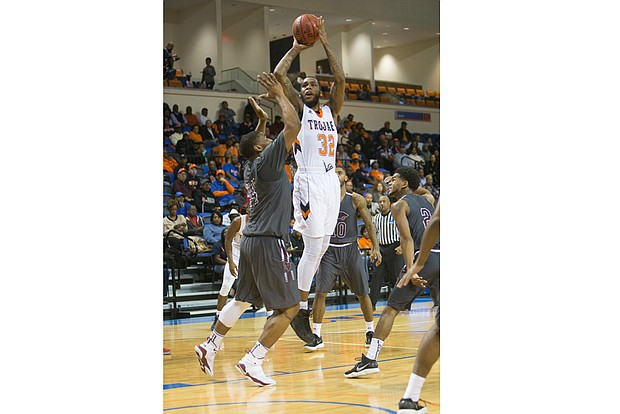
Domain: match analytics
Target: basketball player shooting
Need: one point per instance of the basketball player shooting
(316, 191)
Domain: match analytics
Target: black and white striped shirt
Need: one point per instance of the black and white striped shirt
(387, 232)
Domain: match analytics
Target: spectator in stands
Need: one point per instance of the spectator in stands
(177, 116)
(364, 94)
(222, 190)
(386, 130)
(194, 134)
(422, 177)
(342, 158)
(177, 135)
(398, 157)
(180, 185)
(208, 74)
(183, 205)
(174, 221)
(227, 218)
(373, 207)
(378, 190)
(231, 168)
(169, 162)
(212, 231)
(229, 114)
(247, 125)
(415, 156)
(200, 156)
(204, 200)
(212, 171)
(209, 136)
(185, 146)
(190, 118)
(393, 145)
(349, 186)
(384, 154)
(222, 125)
(169, 59)
(402, 133)
(430, 187)
(355, 137)
(376, 175)
(195, 225)
(357, 149)
(193, 181)
(182, 164)
(432, 167)
(364, 241)
(204, 116)
(361, 177)
(219, 154)
(426, 152)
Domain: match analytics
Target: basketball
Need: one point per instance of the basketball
(304, 31)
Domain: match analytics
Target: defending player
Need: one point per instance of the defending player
(265, 269)
(343, 258)
(316, 188)
(412, 213)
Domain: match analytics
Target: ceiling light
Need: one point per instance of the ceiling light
(405, 28)
(272, 10)
(384, 33)
(348, 20)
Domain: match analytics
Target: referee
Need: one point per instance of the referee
(389, 241)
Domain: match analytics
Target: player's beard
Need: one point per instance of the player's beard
(311, 103)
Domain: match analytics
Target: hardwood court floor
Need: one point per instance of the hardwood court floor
(306, 382)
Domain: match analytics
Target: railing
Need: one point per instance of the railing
(229, 76)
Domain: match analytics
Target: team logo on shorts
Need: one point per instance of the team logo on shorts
(305, 209)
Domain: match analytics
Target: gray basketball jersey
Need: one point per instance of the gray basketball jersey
(346, 227)
(419, 215)
(269, 192)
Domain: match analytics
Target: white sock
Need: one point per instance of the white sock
(370, 326)
(303, 305)
(269, 313)
(317, 329)
(414, 387)
(259, 351)
(215, 340)
(375, 348)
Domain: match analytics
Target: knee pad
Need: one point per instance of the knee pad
(232, 312)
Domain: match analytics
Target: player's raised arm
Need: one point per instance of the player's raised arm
(336, 97)
(282, 69)
(290, 118)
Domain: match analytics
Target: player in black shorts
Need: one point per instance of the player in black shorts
(411, 212)
(428, 352)
(343, 258)
(265, 271)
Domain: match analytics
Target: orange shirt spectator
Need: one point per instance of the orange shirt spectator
(190, 118)
(194, 134)
(377, 175)
(364, 243)
(355, 162)
(219, 153)
(169, 162)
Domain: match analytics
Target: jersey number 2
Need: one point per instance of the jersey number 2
(326, 141)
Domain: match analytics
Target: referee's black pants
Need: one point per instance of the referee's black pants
(387, 271)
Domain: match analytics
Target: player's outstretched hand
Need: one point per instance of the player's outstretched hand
(321, 29)
(269, 82)
(257, 109)
(300, 46)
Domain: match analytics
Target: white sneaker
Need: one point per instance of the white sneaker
(252, 368)
(206, 356)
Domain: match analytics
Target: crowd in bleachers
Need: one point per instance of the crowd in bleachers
(203, 173)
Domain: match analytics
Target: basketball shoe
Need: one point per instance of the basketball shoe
(252, 368)
(366, 366)
(205, 352)
(408, 406)
(167, 351)
(317, 343)
(301, 325)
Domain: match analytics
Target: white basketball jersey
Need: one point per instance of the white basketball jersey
(315, 146)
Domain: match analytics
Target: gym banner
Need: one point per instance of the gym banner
(413, 116)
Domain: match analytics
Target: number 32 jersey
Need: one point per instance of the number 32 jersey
(316, 192)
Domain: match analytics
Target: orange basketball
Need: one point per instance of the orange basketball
(304, 31)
